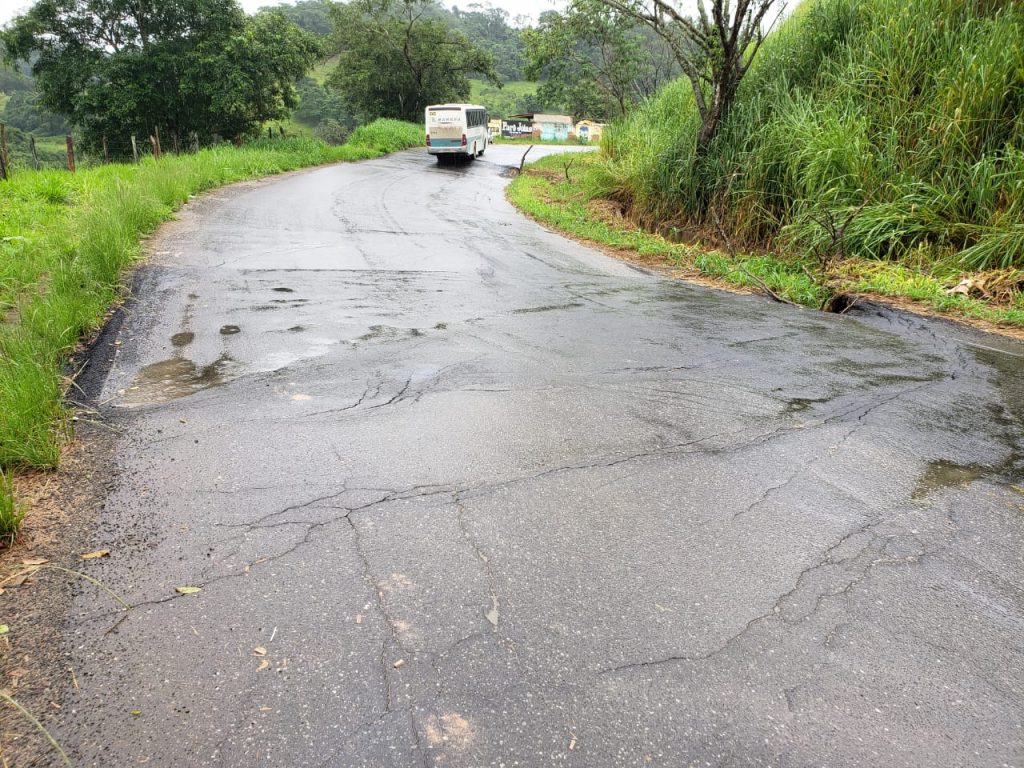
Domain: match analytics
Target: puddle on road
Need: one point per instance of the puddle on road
(547, 308)
(229, 330)
(176, 378)
(1008, 365)
(183, 339)
(943, 474)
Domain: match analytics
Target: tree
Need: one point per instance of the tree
(713, 50)
(594, 60)
(490, 30)
(311, 15)
(324, 110)
(23, 111)
(395, 59)
(121, 67)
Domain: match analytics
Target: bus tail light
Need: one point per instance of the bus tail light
(463, 139)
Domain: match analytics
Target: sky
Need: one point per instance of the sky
(10, 8)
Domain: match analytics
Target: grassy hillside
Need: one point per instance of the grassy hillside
(897, 118)
(64, 240)
(323, 69)
(504, 101)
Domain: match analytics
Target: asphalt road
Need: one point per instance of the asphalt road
(460, 492)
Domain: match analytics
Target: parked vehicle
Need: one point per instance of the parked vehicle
(456, 130)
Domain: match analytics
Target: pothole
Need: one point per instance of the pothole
(840, 304)
(944, 474)
(176, 378)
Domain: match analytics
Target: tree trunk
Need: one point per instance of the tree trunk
(720, 103)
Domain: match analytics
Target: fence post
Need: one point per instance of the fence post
(106, 154)
(71, 152)
(156, 143)
(135, 150)
(270, 132)
(32, 149)
(174, 141)
(3, 152)
(281, 129)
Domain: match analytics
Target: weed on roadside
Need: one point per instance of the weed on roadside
(11, 512)
(576, 207)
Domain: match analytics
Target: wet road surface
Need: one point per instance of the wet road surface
(460, 492)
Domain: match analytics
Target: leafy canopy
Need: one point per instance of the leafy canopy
(714, 49)
(396, 58)
(595, 61)
(118, 68)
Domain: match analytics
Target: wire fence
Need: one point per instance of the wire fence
(20, 152)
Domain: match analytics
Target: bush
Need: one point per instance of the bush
(11, 513)
(332, 132)
(902, 115)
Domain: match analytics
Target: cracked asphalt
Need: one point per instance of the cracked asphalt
(460, 492)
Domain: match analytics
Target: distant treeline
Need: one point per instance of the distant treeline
(204, 68)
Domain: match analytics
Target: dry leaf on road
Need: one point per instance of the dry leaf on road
(259, 650)
(97, 554)
(188, 590)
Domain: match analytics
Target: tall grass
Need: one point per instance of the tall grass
(902, 116)
(11, 513)
(65, 239)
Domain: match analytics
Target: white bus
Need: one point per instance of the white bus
(455, 130)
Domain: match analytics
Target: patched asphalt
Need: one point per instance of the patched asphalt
(460, 492)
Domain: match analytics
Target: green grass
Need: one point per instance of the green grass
(322, 70)
(543, 193)
(11, 513)
(294, 127)
(514, 87)
(903, 114)
(65, 239)
(500, 102)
